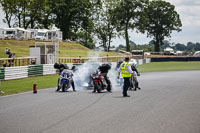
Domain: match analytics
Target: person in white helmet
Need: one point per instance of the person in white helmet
(136, 73)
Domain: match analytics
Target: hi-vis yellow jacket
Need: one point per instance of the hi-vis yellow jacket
(124, 70)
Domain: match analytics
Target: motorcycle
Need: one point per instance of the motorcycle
(99, 82)
(65, 80)
(132, 83)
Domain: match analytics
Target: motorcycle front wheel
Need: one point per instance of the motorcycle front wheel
(132, 83)
(64, 86)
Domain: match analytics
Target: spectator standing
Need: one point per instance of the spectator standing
(126, 71)
(13, 58)
(7, 51)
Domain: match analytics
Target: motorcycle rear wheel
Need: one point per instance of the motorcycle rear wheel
(98, 87)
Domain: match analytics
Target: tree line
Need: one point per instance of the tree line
(88, 20)
(187, 49)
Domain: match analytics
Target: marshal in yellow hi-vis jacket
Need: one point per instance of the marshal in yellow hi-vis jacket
(126, 72)
(124, 69)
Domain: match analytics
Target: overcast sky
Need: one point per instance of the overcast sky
(189, 11)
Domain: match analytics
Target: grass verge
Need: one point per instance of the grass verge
(23, 85)
(169, 66)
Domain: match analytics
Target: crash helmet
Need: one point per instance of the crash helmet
(57, 65)
(133, 62)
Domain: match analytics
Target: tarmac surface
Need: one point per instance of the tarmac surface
(169, 102)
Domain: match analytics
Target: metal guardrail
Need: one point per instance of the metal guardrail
(9, 73)
(19, 61)
(18, 72)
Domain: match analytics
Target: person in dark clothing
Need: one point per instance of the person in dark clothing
(134, 69)
(7, 51)
(10, 60)
(104, 68)
(62, 67)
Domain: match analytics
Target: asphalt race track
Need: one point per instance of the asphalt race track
(169, 102)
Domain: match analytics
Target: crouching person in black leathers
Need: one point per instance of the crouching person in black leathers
(61, 67)
(104, 68)
(136, 83)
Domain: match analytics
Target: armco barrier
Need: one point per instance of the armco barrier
(48, 69)
(9, 73)
(16, 72)
(148, 60)
(140, 62)
(35, 70)
(2, 72)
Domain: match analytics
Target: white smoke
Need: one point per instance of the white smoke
(82, 75)
(112, 74)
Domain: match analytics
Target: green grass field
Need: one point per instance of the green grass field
(23, 85)
(66, 49)
(169, 66)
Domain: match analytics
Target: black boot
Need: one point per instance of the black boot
(73, 86)
(137, 86)
(94, 90)
(58, 88)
